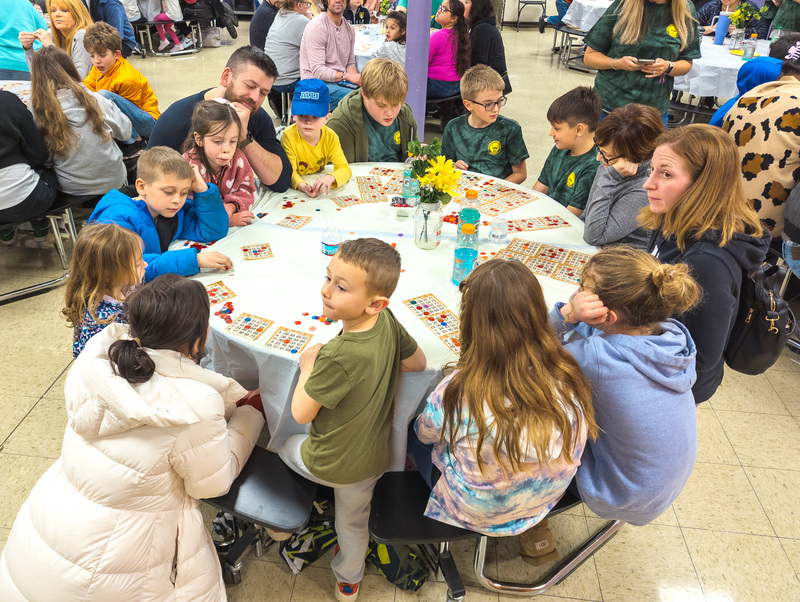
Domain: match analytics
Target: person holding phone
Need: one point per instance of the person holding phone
(638, 47)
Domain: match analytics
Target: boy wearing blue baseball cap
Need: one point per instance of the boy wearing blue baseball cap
(310, 144)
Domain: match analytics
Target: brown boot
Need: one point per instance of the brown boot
(536, 545)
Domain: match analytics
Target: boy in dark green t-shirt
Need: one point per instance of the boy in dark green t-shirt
(346, 391)
(570, 167)
(483, 141)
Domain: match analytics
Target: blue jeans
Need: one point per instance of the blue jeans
(794, 264)
(142, 122)
(561, 9)
(15, 75)
(337, 93)
(422, 457)
(289, 88)
(438, 88)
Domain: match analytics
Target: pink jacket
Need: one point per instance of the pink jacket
(236, 182)
(442, 56)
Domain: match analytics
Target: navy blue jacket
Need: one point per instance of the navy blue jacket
(113, 13)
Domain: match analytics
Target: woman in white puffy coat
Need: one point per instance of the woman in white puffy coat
(149, 433)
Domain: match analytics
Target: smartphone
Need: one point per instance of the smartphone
(645, 61)
(347, 84)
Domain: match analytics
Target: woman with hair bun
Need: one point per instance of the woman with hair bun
(641, 365)
(700, 216)
(149, 433)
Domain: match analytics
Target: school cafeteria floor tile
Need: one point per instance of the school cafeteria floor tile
(734, 534)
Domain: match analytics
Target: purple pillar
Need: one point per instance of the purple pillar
(418, 38)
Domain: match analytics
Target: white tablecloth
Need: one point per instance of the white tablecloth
(286, 289)
(368, 39)
(21, 88)
(583, 14)
(714, 73)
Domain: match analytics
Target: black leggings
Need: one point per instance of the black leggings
(37, 202)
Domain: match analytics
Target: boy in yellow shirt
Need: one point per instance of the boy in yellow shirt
(116, 79)
(309, 144)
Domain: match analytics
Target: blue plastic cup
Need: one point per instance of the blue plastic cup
(463, 262)
(723, 24)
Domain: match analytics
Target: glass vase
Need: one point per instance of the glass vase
(736, 39)
(428, 220)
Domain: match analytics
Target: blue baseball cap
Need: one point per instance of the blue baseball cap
(311, 97)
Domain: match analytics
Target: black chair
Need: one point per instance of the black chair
(570, 49)
(448, 108)
(62, 208)
(144, 29)
(397, 517)
(694, 110)
(521, 4)
(266, 494)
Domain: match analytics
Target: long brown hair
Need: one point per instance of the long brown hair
(509, 353)
(52, 70)
(462, 43)
(82, 20)
(631, 26)
(104, 260)
(715, 200)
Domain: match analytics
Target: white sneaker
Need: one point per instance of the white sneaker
(177, 48)
(164, 43)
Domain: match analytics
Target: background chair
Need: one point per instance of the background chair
(521, 4)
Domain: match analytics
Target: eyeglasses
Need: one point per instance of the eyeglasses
(491, 104)
(442, 9)
(607, 160)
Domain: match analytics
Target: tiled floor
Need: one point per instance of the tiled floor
(734, 533)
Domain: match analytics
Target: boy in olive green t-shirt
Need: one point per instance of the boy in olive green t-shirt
(484, 141)
(570, 167)
(346, 391)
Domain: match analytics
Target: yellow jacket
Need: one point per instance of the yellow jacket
(123, 79)
(307, 159)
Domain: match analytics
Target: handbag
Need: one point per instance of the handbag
(762, 326)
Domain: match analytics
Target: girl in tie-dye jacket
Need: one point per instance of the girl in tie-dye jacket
(508, 427)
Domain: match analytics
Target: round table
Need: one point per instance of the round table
(583, 14)
(368, 39)
(21, 88)
(284, 288)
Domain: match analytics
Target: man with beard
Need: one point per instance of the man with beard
(327, 51)
(245, 82)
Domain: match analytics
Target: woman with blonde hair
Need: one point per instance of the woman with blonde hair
(506, 430)
(69, 20)
(641, 365)
(700, 216)
(638, 48)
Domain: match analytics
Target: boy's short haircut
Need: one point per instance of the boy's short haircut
(100, 37)
(160, 161)
(385, 80)
(378, 259)
(478, 79)
(250, 55)
(579, 105)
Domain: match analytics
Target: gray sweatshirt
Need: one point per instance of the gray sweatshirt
(78, 53)
(93, 166)
(283, 45)
(392, 51)
(613, 208)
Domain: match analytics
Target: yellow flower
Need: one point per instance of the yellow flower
(441, 175)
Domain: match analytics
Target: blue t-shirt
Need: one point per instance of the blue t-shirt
(18, 15)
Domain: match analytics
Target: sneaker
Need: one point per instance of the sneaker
(223, 528)
(165, 45)
(536, 545)
(9, 236)
(346, 592)
(542, 23)
(140, 50)
(177, 48)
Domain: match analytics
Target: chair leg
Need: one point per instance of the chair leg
(69, 220)
(62, 254)
(561, 571)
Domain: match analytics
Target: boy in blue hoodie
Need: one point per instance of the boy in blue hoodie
(641, 365)
(161, 213)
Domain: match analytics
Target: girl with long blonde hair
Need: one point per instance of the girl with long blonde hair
(69, 20)
(508, 427)
(638, 48)
(641, 364)
(699, 215)
(77, 125)
(107, 264)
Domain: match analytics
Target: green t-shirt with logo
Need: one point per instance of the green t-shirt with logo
(618, 88)
(491, 150)
(354, 379)
(569, 178)
(383, 140)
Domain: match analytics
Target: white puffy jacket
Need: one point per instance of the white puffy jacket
(116, 517)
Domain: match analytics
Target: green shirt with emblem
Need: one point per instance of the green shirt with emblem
(384, 140)
(354, 379)
(491, 150)
(660, 40)
(569, 178)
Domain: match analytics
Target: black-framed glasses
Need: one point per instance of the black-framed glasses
(442, 9)
(491, 104)
(606, 160)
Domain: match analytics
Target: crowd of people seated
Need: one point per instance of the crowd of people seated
(596, 394)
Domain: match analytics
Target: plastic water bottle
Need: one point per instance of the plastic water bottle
(470, 200)
(466, 243)
(331, 239)
(498, 229)
(749, 48)
(410, 183)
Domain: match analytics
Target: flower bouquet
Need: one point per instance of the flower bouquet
(435, 190)
(744, 16)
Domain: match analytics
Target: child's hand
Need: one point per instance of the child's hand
(44, 37)
(198, 185)
(307, 188)
(625, 168)
(308, 357)
(214, 260)
(242, 218)
(460, 165)
(585, 307)
(26, 38)
(323, 185)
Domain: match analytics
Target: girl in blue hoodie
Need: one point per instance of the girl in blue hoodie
(641, 364)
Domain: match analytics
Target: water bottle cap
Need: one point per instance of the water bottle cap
(468, 228)
(471, 194)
